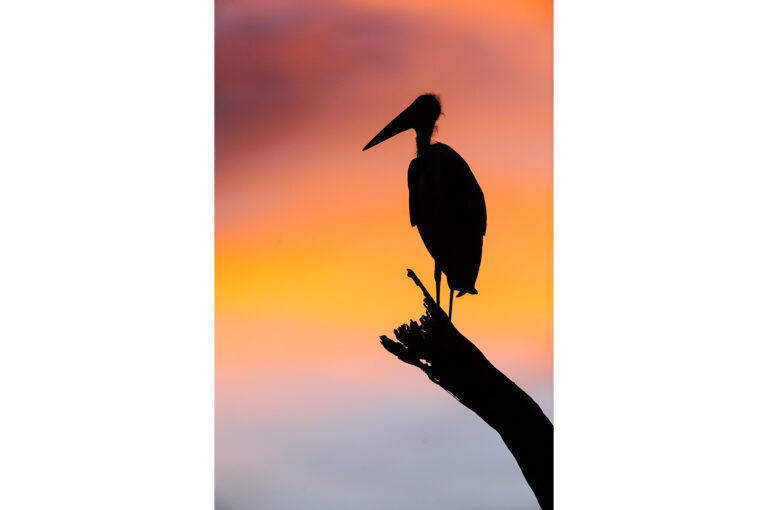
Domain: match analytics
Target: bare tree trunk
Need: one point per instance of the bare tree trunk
(454, 363)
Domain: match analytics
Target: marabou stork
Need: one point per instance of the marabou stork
(445, 200)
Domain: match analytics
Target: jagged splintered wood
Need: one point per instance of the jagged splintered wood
(455, 364)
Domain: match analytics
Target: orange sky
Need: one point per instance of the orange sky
(313, 235)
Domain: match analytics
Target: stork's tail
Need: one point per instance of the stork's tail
(470, 291)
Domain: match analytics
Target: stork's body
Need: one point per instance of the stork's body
(445, 201)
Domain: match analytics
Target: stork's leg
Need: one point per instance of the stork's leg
(450, 305)
(438, 274)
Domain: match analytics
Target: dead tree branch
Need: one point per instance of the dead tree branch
(455, 364)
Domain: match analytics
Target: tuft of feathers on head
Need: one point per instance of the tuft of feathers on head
(434, 99)
(431, 107)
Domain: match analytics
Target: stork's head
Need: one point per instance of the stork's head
(420, 116)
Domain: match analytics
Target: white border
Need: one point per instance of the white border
(660, 254)
(106, 214)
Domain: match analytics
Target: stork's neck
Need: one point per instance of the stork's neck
(423, 141)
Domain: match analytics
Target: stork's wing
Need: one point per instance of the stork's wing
(413, 191)
(468, 196)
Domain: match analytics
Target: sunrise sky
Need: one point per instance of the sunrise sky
(313, 239)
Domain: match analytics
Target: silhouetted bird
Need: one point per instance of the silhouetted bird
(446, 202)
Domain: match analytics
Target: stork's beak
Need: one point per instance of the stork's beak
(398, 125)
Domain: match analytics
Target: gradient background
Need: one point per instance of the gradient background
(313, 238)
